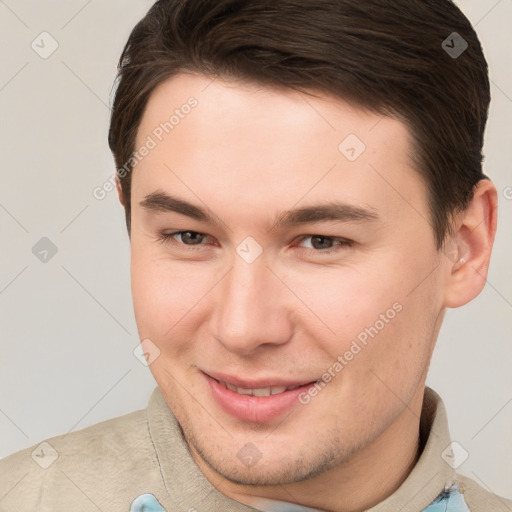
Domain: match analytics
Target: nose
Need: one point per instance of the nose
(253, 308)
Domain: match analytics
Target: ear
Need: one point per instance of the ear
(119, 188)
(469, 247)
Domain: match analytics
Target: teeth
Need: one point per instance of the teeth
(275, 390)
(243, 391)
(261, 392)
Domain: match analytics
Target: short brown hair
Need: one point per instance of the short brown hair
(387, 56)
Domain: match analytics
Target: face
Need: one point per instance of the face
(284, 274)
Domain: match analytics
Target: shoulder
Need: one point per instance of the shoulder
(90, 458)
(479, 499)
(99, 440)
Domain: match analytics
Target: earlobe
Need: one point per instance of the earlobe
(468, 250)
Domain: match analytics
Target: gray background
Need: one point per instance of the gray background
(67, 327)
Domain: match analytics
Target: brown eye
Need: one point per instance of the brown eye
(321, 242)
(190, 237)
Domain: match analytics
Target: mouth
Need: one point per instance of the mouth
(266, 391)
(254, 401)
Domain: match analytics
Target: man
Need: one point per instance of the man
(304, 197)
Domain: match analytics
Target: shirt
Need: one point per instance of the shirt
(141, 462)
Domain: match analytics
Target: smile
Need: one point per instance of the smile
(256, 401)
(273, 390)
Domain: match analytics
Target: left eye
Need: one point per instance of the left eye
(321, 243)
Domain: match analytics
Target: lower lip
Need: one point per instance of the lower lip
(255, 409)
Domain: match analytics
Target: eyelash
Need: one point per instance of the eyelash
(165, 238)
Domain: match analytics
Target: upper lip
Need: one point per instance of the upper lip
(257, 383)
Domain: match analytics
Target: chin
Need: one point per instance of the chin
(279, 469)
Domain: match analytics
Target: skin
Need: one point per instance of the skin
(247, 153)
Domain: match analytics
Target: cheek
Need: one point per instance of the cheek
(164, 295)
(343, 301)
(384, 331)
(387, 307)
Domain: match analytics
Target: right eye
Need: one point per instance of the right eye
(187, 238)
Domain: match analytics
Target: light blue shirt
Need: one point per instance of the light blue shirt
(448, 501)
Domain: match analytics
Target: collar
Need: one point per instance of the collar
(189, 488)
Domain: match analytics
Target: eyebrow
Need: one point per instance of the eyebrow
(161, 202)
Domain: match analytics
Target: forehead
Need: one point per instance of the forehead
(265, 146)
